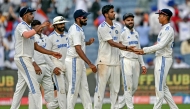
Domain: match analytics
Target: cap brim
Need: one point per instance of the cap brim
(85, 15)
(31, 10)
(60, 22)
(157, 13)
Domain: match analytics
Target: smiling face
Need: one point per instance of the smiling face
(83, 20)
(129, 22)
(60, 27)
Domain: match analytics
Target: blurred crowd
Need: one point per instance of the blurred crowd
(146, 23)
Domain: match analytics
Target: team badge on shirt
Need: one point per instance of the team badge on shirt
(116, 31)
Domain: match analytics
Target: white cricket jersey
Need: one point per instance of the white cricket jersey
(164, 44)
(107, 54)
(130, 38)
(58, 43)
(40, 58)
(23, 46)
(76, 37)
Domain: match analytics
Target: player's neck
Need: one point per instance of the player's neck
(164, 23)
(78, 24)
(109, 22)
(59, 31)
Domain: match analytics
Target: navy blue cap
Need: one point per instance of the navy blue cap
(25, 10)
(80, 13)
(127, 15)
(166, 12)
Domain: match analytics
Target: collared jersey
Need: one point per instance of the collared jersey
(41, 41)
(129, 38)
(107, 54)
(40, 58)
(76, 37)
(164, 44)
(58, 43)
(23, 46)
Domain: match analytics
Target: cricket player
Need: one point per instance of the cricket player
(163, 60)
(43, 67)
(130, 62)
(108, 58)
(58, 41)
(76, 71)
(24, 51)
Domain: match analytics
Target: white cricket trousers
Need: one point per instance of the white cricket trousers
(161, 70)
(26, 77)
(45, 79)
(130, 73)
(110, 74)
(77, 81)
(60, 83)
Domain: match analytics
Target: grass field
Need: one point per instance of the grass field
(107, 106)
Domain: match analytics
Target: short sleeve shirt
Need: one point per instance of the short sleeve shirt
(23, 46)
(107, 54)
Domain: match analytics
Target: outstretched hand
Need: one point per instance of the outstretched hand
(139, 51)
(130, 48)
(144, 70)
(91, 40)
(56, 55)
(93, 67)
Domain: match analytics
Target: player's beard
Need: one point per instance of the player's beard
(111, 17)
(128, 26)
(83, 22)
(61, 29)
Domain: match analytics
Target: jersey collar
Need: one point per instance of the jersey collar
(29, 26)
(112, 27)
(168, 24)
(62, 35)
(127, 29)
(78, 27)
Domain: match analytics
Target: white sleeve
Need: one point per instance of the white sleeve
(140, 57)
(166, 37)
(49, 62)
(104, 34)
(47, 57)
(21, 29)
(76, 36)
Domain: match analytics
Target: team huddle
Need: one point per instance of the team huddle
(60, 58)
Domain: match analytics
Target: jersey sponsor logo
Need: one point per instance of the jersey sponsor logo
(128, 37)
(133, 42)
(61, 45)
(116, 32)
(57, 40)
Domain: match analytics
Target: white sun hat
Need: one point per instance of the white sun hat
(59, 19)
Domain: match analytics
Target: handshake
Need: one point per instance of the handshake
(135, 50)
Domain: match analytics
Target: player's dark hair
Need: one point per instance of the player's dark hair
(106, 9)
(35, 22)
(168, 18)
